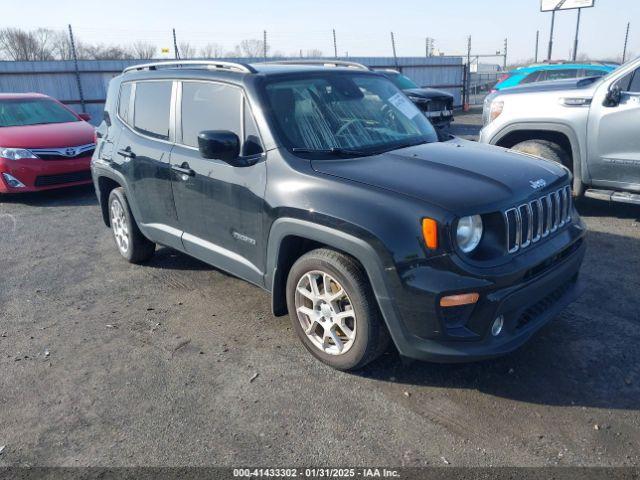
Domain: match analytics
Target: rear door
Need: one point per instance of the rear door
(220, 206)
(613, 139)
(142, 154)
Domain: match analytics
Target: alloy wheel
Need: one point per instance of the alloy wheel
(119, 226)
(325, 312)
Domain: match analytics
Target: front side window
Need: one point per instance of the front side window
(33, 111)
(345, 111)
(151, 108)
(209, 106)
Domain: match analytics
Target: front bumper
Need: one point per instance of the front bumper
(37, 175)
(526, 301)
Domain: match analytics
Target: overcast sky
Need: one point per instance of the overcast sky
(363, 26)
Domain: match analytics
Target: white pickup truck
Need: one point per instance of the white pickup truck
(590, 125)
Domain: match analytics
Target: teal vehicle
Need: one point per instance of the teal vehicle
(552, 71)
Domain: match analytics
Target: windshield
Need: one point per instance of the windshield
(33, 111)
(346, 111)
(402, 82)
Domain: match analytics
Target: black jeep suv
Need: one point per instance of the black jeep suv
(327, 187)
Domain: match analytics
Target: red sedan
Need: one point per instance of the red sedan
(43, 144)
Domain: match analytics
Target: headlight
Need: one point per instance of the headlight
(495, 110)
(16, 153)
(469, 232)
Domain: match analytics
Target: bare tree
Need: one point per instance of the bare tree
(252, 48)
(17, 44)
(143, 50)
(314, 53)
(187, 50)
(212, 50)
(106, 52)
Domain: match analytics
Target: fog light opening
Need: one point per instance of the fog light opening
(12, 181)
(496, 328)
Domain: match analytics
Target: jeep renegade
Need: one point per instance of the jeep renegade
(326, 186)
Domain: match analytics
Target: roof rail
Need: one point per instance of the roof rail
(324, 63)
(211, 64)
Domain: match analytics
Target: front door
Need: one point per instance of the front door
(613, 139)
(220, 206)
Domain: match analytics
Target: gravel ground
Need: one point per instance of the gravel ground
(175, 363)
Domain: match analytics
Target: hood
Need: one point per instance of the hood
(584, 84)
(50, 135)
(459, 176)
(427, 93)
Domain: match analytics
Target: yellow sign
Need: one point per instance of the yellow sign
(165, 50)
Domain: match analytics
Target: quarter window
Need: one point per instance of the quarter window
(634, 86)
(209, 106)
(251, 144)
(123, 102)
(151, 109)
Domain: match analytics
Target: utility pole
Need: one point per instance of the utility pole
(75, 63)
(626, 41)
(553, 22)
(335, 44)
(393, 46)
(504, 60)
(426, 47)
(264, 43)
(175, 45)
(467, 74)
(537, 41)
(575, 42)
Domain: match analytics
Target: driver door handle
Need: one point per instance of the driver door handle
(184, 170)
(126, 152)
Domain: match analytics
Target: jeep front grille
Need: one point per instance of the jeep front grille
(532, 221)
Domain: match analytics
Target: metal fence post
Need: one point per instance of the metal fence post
(77, 69)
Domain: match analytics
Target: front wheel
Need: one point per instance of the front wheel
(550, 151)
(131, 243)
(334, 311)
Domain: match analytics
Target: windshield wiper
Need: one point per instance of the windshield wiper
(332, 151)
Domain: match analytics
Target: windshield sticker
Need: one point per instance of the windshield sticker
(404, 105)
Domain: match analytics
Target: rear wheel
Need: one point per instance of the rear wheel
(550, 151)
(334, 311)
(131, 243)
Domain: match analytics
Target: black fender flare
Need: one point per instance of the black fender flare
(342, 241)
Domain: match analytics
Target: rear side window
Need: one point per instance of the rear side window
(560, 74)
(151, 109)
(594, 73)
(209, 106)
(123, 101)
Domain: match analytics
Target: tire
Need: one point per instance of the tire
(550, 151)
(129, 240)
(355, 311)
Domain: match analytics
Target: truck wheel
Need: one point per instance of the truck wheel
(131, 243)
(334, 311)
(550, 151)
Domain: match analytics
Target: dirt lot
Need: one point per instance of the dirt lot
(109, 364)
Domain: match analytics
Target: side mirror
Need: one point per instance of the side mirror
(85, 116)
(219, 144)
(612, 99)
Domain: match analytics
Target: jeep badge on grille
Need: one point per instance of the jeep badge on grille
(536, 184)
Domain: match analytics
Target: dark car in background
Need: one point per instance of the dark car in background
(43, 144)
(436, 105)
